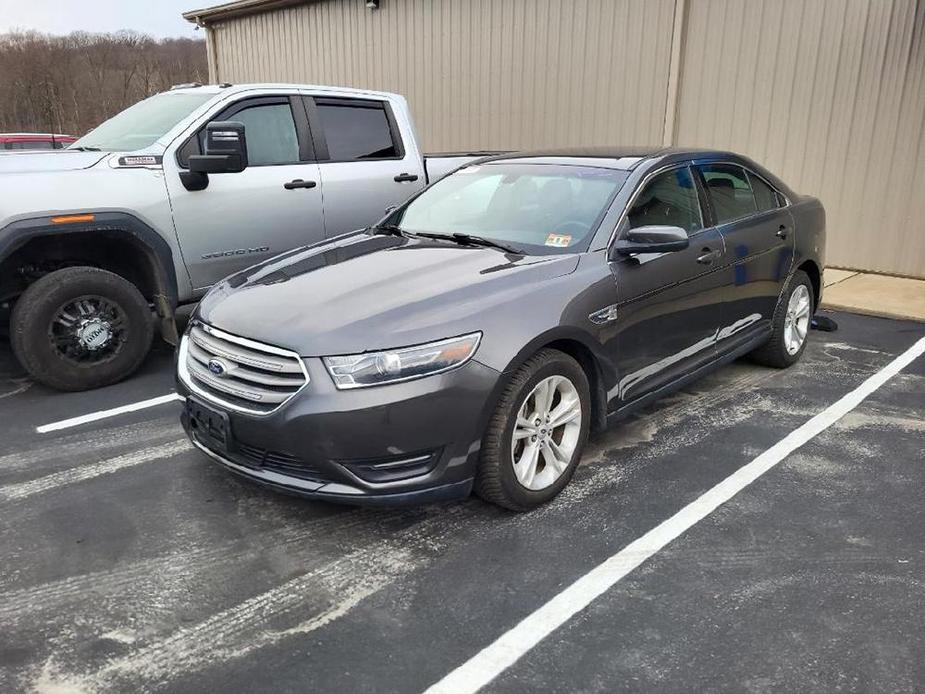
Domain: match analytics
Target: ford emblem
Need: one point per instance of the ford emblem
(218, 367)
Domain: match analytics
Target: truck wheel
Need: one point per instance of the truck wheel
(537, 433)
(81, 328)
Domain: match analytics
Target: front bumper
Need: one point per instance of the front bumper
(404, 443)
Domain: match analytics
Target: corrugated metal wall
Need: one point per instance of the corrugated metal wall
(830, 94)
(478, 74)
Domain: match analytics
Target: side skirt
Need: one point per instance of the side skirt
(699, 371)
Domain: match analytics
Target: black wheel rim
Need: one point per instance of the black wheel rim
(88, 331)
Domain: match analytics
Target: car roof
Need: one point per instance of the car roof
(622, 158)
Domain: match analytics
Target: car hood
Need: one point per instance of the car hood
(367, 292)
(61, 160)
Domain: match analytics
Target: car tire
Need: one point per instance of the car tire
(81, 328)
(794, 312)
(501, 480)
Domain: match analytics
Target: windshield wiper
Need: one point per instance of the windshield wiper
(387, 229)
(85, 149)
(469, 240)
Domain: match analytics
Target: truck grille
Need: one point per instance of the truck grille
(244, 374)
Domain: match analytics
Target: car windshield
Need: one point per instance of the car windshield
(141, 125)
(535, 208)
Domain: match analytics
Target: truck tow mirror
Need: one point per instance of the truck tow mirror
(226, 152)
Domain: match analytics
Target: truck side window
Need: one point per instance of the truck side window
(356, 131)
(271, 134)
(269, 127)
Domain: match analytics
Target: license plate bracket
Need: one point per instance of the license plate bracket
(210, 426)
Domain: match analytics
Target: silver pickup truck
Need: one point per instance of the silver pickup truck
(160, 202)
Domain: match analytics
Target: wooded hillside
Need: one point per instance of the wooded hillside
(70, 84)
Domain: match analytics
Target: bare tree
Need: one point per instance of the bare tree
(73, 83)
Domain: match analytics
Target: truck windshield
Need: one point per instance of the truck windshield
(141, 125)
(536, 208)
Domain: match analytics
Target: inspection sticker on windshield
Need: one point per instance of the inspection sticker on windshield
(558, 240)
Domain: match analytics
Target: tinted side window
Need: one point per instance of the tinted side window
(668, 199)
(270, 131)
(271, 134)
(356, 132)
(729, 191)
(765, 196)
(30, 145)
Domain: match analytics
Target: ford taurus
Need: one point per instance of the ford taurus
(477, 334)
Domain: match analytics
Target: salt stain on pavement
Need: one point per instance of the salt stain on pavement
(22, 490)
(79, 447)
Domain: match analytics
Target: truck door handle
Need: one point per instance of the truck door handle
(708, 256)
(782, 231)
(402, 177)
(299, 183)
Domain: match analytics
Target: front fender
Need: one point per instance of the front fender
(157, 251)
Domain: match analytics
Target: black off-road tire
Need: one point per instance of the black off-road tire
(36, 307)
(496, 480)
(774, 353)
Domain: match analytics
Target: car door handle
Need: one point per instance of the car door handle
(708, 256)
(782, 231)
(299, 183)
(402, 177)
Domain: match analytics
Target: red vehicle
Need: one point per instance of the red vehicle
(22, 141)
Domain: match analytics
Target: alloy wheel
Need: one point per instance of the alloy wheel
(546, 433)
(796, 321)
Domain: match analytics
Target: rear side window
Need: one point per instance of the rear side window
(729, 191)
(357, 131)
(765, 196)
(669, 199)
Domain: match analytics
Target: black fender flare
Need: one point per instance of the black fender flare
(157, 252)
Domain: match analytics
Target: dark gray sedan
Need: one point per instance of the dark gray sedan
(475, 336)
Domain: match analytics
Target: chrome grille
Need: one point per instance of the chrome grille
(250, 376)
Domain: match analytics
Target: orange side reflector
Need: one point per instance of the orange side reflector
(71, 218)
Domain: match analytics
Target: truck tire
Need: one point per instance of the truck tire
(81, 328)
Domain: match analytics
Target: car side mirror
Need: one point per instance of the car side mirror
(226, 152)
(652, 239)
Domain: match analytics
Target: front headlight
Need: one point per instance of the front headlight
(391, 366)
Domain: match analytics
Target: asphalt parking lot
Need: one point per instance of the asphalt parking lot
(128, 562)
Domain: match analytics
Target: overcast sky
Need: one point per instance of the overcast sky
(158, 18)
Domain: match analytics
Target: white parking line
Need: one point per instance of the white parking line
(103, 414)
(495, 658)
